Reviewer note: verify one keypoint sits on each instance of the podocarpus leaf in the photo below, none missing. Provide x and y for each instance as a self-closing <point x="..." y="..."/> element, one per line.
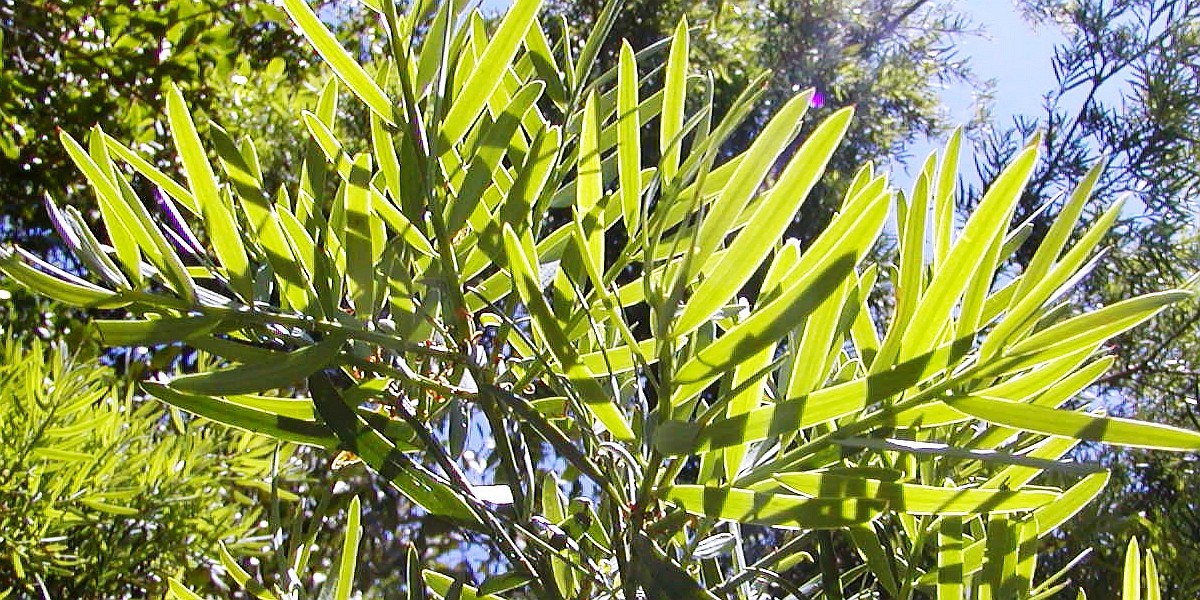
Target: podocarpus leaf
<point x="168" y="185"/>
<point x="950" y="572"/>
<point x="914" y="498"/>
<point x="285" y="370"/>
<point x="348" y="559"/>
<point x="488" y="71"/>
<point x="589" y="188"/>
<point x="629" y="148"/>
<point x="820" y="272"/>
<point x="361" y="250"/>
<point x="443" y="584"/>
<point x="595" y="397"/>
<point x="357" y="436"/>
<point x="967" y="261"/>
<point x="771" y="218"/>
<point x="783" y="511"/>
<point x="152" y="332"/>
<point x="744" y="181"/>
<point x="1048" y="518"/>
<point x="180" y="591"/>
<point x="1078" y="425"/>
<point x="242" y="577"/>
<point x="219" y="220"/>
<point x="674" y="91"/>
<point x="867" y="539"/>
<point x="1152" y="590"/>
<point x="116" y="217"/>
<point x="662" y="578"/>
<point x="1028" y="302"/>
<point x="288" y="429"/>
<point x="1083" y="331"/>
<point x="344" y="66"/>
<point x="1131" y="580"/>
<point x="54" y="282"/>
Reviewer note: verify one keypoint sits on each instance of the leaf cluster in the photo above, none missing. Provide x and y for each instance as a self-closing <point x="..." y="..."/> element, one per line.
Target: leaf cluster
<point x="451" y="273"/>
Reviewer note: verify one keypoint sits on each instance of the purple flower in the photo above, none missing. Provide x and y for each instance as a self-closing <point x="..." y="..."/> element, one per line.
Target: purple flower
<point x="818" y="99"/>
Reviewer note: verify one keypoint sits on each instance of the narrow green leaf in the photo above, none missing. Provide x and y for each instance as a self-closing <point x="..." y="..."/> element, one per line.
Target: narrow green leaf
<point x="660" y="577"/>
<point x="357" y="436"/>
<point x="1152" y="591"/>
<point x="180" y="591"/>
<point x="966" y="262"/>
<point x="517" y="208"/>
<point x="222" y="227"/>
<point x="867" y="540"/>
<point x="55" y="283"/>
<point x="121" y="225"/>
<point x="284" y="371"/>
<point x="433" y="49"/>
<point x="593" y="395"/>
<point x="348" y="560"/>
<point x="829" y="261"/>
<point x="488" y="72"/>
<point x="769" y="221"/>
<point x="776" y="510"/>
<point x="950" y="572"/>
<point x="943" y="205"/>
<point x="1000" y="558"/>
<point x="152" y="332"/>
<point x="916" y="499"/>
<point x="240" y="575"/>
<point x="1093" y="327"/>
<point x="1028" y="300"/>
<point x="361" y="252"/>
<point x="589" y="187"/>
<point x="1060" y="231"/>
<point x="441" y="584"/>
<point x="629" y="147"/>
<point x="1077" y="425"/>
<point x="271" y="424"/>
<point x="744" y="181"/>
<point x="674" y="94"/>
<point x="169" y="186"/>
<point x="344" y="66"/>
<point x="600" y="32"/>
<point x="413" y="575"/>
<point x="504" y="582"/>
<point x="1131" y="580"/>
<point x="78" y="235"/>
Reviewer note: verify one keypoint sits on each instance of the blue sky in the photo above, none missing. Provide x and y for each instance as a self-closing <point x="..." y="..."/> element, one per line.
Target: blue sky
<point x="1013" y="55"/>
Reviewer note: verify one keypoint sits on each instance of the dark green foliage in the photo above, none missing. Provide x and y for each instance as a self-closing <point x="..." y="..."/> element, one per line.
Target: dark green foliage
<point x="77" y="63"/>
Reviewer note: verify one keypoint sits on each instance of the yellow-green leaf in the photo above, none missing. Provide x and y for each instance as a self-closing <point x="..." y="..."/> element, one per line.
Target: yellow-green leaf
<point x="344" y="66"/>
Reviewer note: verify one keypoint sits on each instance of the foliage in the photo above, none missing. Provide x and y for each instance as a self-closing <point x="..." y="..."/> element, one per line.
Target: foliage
<point x="101" y="495"/>
<point x="75" y="63"/>
<point x="1125" y="91"/>
<point x="418" y="286"/>
<point x="889" y="59"/>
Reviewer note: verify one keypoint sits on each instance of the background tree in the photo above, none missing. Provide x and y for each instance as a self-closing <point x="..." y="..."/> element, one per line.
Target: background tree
<point x="1128" y="91"/>
<point x="102" y="496"/>
<point x="73" y="64"/>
